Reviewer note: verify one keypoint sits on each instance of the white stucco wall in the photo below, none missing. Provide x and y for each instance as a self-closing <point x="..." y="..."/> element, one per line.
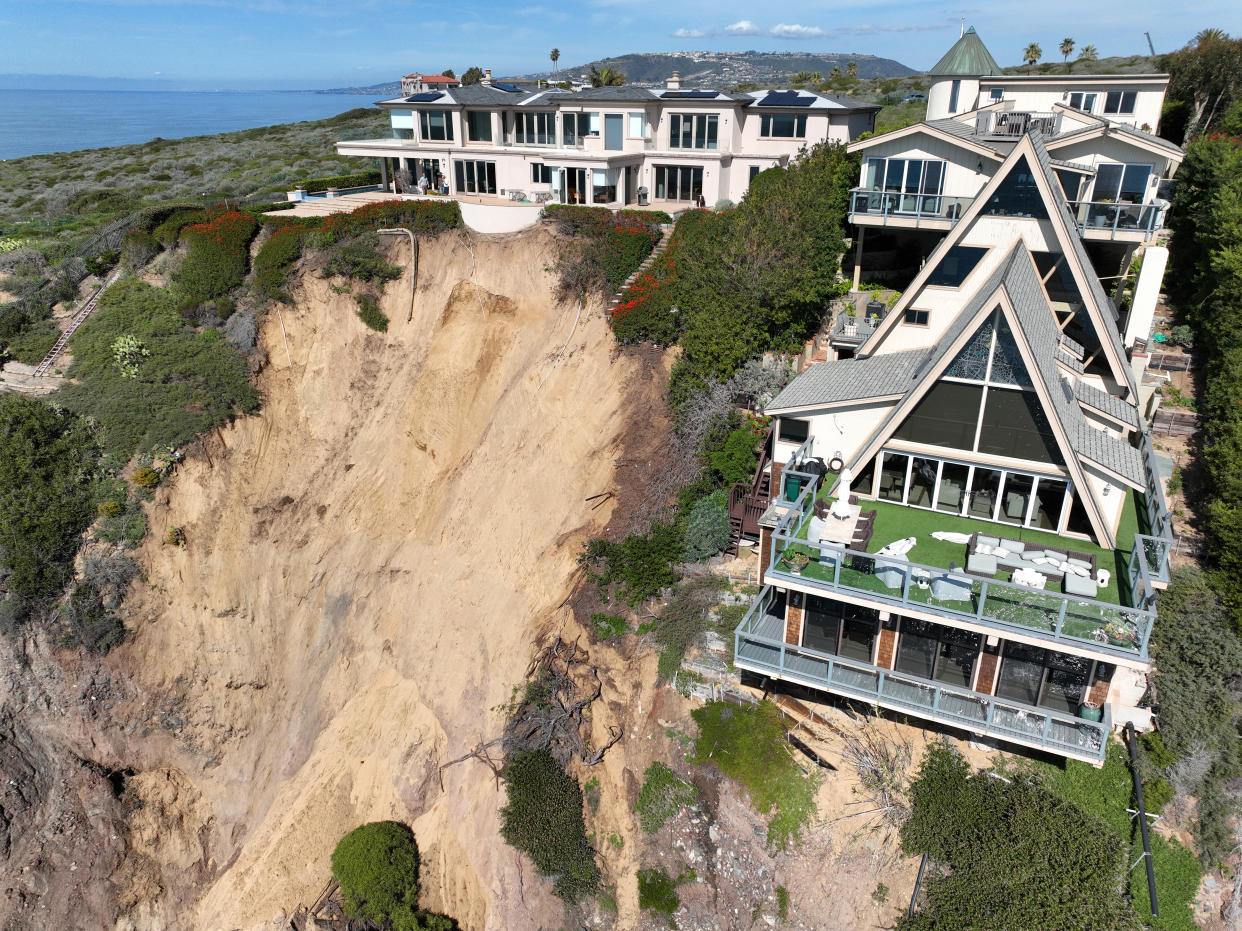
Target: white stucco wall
<point x="1040" y="95"/>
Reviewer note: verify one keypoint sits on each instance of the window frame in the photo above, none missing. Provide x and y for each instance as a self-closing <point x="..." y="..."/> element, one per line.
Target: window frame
<point x="694" y="131"/>
<point x="916" y="316"/>
<point x="425" y="125"/>
<point x="767" y="123"/>
<point x="965" y="278"/>
<point x="526" y="128"/>
<point x="1117" y="108"/>
<point x="1086" y="100"/>
<point x="466" y="175"/>
<point x="471" y="116"/>
<point x="540" y="173"/>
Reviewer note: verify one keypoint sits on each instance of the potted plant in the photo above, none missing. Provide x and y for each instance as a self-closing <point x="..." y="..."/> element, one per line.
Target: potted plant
<point x="1090" y="711"/>
<point x="1120" y="633"/>
<point x="797" y="562"/>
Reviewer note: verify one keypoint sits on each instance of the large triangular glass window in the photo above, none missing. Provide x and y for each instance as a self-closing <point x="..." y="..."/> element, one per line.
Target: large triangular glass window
<point x="1018" y="195"/>
<point x="985" y="402"/>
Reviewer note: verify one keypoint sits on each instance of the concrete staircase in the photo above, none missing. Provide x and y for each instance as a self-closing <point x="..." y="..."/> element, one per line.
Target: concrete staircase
<point x="666" y="234"/>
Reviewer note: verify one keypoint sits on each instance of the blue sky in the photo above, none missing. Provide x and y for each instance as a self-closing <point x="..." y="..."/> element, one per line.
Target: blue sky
<point x="323" y="43"/>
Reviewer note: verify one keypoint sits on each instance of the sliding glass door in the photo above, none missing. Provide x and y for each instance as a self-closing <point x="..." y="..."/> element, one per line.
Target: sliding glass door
<point x="1020" y="499"/>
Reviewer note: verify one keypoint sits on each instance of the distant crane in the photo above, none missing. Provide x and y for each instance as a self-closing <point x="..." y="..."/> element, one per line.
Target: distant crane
<point x="1150" y="47"/>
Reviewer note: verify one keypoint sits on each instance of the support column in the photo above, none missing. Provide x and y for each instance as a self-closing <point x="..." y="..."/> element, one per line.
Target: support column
<point x="989" y="663"/>
<point x="384" y="173"/>
<point x="765" y="551"/>
<point x="793" y="619"/>
<point x="886" y="649"/>
<point x="858" y="251"/>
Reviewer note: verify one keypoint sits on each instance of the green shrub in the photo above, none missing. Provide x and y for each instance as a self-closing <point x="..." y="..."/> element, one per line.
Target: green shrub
<point x="608" y="626"/>
<point x="357" y="179"/>
<point x="188" y="382"/>
<point x="103" y="263"/>
<point x="275" y="260"/>
<point x="1182" y="336"/>
<point x="421" y="217"/>
<point x="217" y="255"/>
<point x="707" y="529"/>
<point x="657" y="891"/>
<point x="88" y="623"/>
<point x="169" y="229"/>
<point x="370" y="314"/>
<point x="643" y="219"/>
<point x="377" y="867"/>
<point x="683" y="620"/>
<point x="34" y="342"/>
<point x="360" y="261"/>
<point x="138" y="248"/>
<point x="575" y="218"/>
<point x="146" y="477"/>
<point x="47" y="457"/>
<point x="662" y="796"/>
<point x="748" y="745"/>
<point x="543" y="819"/>
<point x="638" y="567"/>
<point x="1017" y="854"/>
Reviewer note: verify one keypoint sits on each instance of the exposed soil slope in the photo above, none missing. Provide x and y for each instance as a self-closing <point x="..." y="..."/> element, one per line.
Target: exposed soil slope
<point x="369" y="566"/>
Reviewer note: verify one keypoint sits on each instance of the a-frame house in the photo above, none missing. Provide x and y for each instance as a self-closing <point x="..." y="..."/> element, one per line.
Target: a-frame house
<point x="969" y="527"/>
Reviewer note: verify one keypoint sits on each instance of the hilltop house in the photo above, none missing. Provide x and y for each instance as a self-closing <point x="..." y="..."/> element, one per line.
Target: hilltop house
<point x="965" y="523"/>
<point x="417" y="83"/>
<point x="601" y="145"/>
<point x="918" y="182"/>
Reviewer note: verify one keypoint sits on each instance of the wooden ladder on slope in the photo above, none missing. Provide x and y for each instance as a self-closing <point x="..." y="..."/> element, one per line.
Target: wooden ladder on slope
<point x="78" y="319"/>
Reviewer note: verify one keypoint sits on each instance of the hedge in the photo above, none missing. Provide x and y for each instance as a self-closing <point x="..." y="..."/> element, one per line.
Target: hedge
<point x="276" y="258"/>
<point x="217" y="255"/>
<point x="358" y="179"/>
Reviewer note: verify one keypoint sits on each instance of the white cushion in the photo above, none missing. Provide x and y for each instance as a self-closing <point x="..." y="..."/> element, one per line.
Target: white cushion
<point x="1000" y="552"/>
<point x="983" y="549"/>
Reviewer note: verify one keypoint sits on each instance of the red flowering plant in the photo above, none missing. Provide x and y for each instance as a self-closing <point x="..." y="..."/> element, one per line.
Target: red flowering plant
<point x="216" y="254"/>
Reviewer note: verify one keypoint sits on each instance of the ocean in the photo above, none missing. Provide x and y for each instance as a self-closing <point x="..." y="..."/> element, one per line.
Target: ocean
<point x="38" y="122"/>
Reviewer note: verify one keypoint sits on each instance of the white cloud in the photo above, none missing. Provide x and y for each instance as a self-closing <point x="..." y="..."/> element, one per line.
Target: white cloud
<point x="795" y="31"/>
<point x="689" y="34"/>
<point x="743" y="27"/>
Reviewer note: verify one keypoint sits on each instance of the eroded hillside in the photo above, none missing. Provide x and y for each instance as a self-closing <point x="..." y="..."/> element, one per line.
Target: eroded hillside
<point x="369" y="566"/>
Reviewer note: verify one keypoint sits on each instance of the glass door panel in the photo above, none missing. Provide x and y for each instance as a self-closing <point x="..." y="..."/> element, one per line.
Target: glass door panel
<point x="1049" y="497"/>
<point x="1021" y="674"/>
<point x="821" y="624"/>
<point x="955" y="663"/>
<point x="893" y="477"/>
<point x="952" y="487"/>
<point x="1067" y="678"/>
<point x="916" y="649"/>
<point x="923" y="482"/>
<point x="983" y="492"/>
<point x="858" y="636"/>
<point x="1015" y="498"/>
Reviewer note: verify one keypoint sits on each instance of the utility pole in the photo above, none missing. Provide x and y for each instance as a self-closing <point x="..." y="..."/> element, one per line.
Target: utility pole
<point x="1151" y="48"/>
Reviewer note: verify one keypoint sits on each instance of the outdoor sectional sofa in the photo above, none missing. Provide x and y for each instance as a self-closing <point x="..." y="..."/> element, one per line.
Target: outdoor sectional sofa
<point x="1047" y="560"/>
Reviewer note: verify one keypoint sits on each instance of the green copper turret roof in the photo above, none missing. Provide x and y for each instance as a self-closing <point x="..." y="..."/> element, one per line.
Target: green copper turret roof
<point x="968" y="56"/>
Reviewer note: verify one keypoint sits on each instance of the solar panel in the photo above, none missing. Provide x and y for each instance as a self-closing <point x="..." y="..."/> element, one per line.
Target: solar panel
<point x="424" y="98"/>
<point x="688" y="95"/>
<point x="508" y="88"/>
<point x="786" y="99"/>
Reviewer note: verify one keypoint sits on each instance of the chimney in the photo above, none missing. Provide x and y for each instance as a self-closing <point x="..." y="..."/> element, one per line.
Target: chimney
<point x="673" y="83"/>
<point x="487" y="76"/>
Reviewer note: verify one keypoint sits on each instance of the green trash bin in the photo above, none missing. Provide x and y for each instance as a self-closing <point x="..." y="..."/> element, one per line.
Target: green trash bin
<point x="793" y="486"/>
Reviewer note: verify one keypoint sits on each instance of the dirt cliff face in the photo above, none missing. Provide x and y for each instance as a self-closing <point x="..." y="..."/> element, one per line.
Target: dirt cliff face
<point x="369" y="566"/>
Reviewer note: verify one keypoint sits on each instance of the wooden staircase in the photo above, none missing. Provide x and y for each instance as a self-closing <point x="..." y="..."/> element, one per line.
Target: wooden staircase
<point x="78" y="319"/>
<point x="748" y="501"/>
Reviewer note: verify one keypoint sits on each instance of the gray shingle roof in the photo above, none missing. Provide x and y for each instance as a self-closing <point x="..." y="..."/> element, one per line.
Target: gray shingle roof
<point x="1124" y="130"/>
<point x="1073" y="347"/>
<point x="1035" y="318"/>
<point x="1070" y="362"/>
<point x="1106" y="403"/>
<point x="853" y="380"/>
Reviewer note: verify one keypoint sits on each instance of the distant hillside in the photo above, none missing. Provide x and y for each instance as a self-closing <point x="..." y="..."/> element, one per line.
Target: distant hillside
<point x="1130" y="64"/>
<point x="722" y="69"/>
<point x="375" y="91"/>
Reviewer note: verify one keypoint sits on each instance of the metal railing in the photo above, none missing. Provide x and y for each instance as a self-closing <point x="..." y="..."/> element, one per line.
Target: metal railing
<point x="759" y="647"/>
<point x="872" y="202"/>
<point x="1061" y="619"/>
<point x="847" y="329"/>
<point x="1011" y="124"/>
<point x="1109" y="217"/>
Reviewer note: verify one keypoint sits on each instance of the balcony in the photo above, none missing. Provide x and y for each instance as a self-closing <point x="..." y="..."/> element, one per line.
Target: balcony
<point x="759" y="647"/>
<point x="1109" y="220"/>
<point x="1117" y="623"/>
<point x="852" y="331"/>
<point x="872" y="207"/>
<point x="1014" y="124"/>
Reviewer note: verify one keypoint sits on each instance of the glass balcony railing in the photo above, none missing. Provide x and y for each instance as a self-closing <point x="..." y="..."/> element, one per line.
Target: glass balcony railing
<point x="759" y="647"/>
<point x="1120" y="630"/>
<point x="1110" y="217"/>
<point x="867" y="202"/>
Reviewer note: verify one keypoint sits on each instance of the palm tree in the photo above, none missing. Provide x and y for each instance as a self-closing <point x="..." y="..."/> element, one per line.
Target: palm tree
<point x="555" y="55"/>
<point x="1088" y="53"/>
<point x="1067" y="49"/>
<point x="1211" y="34"/>
<point x="1032" y="53"/>
<point x="851" y="68"/>
<point x="606" y="77"/>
